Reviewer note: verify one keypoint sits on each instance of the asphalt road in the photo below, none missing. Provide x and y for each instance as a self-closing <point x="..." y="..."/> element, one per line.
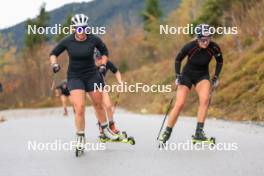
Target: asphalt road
<point x="242" y="154"/>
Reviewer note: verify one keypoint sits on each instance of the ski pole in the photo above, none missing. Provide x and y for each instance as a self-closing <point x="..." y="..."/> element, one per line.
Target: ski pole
<point x="210" y="97"/>
<point x="53" y="82"/>
<point x="165" y="116"/>
<point x="211" y="94"/>
<point x="116" y="102"/>
<point x="53" y="85"/>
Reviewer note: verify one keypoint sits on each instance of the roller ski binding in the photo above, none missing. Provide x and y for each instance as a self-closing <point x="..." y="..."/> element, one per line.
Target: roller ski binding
<point x="121" y="137"/>
<point x="79" y="149"/>
<point x="200" y="138"/>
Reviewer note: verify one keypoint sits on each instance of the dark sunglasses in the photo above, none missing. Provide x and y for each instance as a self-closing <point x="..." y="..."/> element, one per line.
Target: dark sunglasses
<point x="99" y="58"/>
<point x="204" y="40"/>
<point x="80" y="29"/>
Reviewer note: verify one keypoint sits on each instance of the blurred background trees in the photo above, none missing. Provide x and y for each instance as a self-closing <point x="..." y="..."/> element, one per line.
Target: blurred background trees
<point x="143" y="55"/>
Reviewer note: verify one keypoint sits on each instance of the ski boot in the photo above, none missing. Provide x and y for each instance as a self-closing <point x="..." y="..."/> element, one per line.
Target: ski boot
<point x="121" y="138"/>
<point x="107" y="133"/>
<point x="164" y="137"/>
<point x="79" y="150"/>
<point x="200" y="137"/>
<point x="112" y="126"/>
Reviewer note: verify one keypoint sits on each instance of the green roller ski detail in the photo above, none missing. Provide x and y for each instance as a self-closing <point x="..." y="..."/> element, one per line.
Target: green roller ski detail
<point x="121" y="139"/>
<point x="209" y="141"/>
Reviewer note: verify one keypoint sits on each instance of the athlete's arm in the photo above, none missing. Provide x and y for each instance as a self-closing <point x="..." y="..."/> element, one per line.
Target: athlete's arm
<point x="180" y="56"/>
<point x="102" y="49"/>
<point x="115" y="71"/>
<point x="219" y="60"/>
<point x="59" y="48"/>
<point x="104" y="59"/>
<point x="55" y="53"/>
<point x="118" y="77"/>
<point x="53" y="59"/>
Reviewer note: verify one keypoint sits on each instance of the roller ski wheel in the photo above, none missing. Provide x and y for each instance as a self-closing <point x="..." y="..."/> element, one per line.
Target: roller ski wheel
<point x="162" y="144"/>
<point x="128" y="140"/>
<point x="210" y="141"/>
<point x="79" y="148"/>
<point x="103" y="139"/>
<point x="131" y="140"/>
<point x="79" y="151"/>
<point x="122" y="135"/>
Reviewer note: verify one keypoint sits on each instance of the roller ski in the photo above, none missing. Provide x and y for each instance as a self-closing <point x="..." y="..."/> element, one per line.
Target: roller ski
<point x="164" y="137"/>
<point x="121" y="136"/>
<point x="80" y="145"/>
<point x="200" y="138"/>
<point x="127" y="140"/>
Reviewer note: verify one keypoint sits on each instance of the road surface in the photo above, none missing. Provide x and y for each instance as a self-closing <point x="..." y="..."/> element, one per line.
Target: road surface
<point x="245" y="157"/>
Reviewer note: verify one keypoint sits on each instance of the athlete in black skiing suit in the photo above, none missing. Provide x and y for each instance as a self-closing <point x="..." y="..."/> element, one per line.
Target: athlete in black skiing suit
<point x="82" y="74"/>
<point x="63" y="92"/>
<point x="195" y="73"/>
<point x="108" y="106"/>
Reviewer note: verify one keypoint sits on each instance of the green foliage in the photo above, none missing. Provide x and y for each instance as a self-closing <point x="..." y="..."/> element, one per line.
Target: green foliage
<point x="248" y="42"/>
<point x="66" y="23"/>
<point x="213" y="11"/>
<point x="151" y="13"/>
<point x="151" y="20"/>
<point x="33" y="40"/>
<point x="101" y="13"/>
<point x="123" y="66"/>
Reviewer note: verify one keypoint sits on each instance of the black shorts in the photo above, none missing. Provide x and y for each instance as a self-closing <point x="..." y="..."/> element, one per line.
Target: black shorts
<point x="65" y="94"/>
<point x="89" y="84"/>
<point x="65" y="91"/>
<point x="193" y="80"/>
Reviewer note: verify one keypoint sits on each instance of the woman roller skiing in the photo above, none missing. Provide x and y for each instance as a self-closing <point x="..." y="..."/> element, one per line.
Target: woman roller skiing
<point x="107" y="103"/>
<point x="82" y="74"/>
<point x="195" y="73"/>
<point x="109" y="108"/>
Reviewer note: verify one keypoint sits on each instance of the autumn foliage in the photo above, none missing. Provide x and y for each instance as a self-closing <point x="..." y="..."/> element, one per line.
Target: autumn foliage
<point x="143" y="55"/>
